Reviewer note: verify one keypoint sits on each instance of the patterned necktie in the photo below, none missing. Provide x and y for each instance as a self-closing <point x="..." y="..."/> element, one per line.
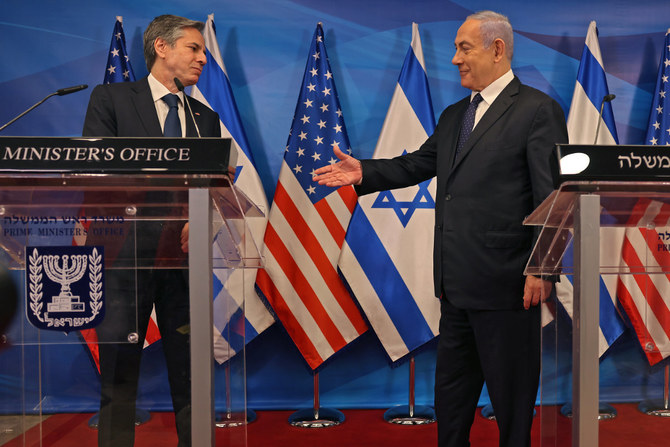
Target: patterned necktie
<point x="172" y="126"/>
<point x="468" y="122"/>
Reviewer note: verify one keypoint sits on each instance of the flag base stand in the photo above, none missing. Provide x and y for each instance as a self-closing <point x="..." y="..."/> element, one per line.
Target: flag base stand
<point x="141" y="416"/>
<point x="658" y="407"/>
<point x="410" y="414"/>
<point x="316" y="417"/>
<point x="605" y="411"/>
<point x="655" y="407"/>
<point x="234" y="419"/>
<point x="406" y="415"/>
<point x="487" y="412"/>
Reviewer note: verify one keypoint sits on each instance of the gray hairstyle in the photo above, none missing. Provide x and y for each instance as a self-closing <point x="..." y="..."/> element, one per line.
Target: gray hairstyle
<point x="495" y="26"/>
<point x="169" y="28"/>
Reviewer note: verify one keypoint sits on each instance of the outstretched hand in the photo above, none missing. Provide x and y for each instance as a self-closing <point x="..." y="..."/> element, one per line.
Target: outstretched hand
<point x="345" y="172"/>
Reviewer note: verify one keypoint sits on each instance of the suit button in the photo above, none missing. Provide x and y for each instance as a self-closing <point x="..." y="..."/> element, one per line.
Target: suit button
<point x="447" y="197"/>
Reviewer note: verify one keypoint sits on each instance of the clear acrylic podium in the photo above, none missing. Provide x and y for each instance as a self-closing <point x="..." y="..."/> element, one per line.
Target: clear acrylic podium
<point x="584" y="227"/>
<point x="136" y="219"/>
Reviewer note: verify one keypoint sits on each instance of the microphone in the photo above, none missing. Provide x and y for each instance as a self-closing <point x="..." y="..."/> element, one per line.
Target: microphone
<point x="61" y="92"/>
<point x="180" y="87"/>
<point x="68" y="90"/>
<point x="606" y="98"/>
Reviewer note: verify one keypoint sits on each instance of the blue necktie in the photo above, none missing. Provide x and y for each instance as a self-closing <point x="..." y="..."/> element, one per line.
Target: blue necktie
<point x="172" y="126"/>
<point x="468" y="122"/>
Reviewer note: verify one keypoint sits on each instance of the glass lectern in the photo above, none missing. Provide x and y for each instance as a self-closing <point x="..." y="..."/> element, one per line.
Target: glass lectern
<point x="617" y="231"/>
<point x="83" y="242"/>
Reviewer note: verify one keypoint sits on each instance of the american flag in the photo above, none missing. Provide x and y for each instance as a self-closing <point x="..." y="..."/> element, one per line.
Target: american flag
<point x="308" y="223"/>
<point x="118" y="69"/>
<point x="646" y="297"/>
<point x="118" y="64"/>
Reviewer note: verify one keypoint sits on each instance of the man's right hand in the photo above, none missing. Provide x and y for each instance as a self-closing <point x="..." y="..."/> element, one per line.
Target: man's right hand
<point x="345" y="172"/>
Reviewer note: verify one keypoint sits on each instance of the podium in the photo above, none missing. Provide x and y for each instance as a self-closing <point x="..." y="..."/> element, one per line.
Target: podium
<point x="614" y="200"/>
<point x="92" y="229"/>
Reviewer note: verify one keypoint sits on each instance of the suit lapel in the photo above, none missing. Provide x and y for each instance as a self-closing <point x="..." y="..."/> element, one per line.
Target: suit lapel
<point x="503" y="102"/>
<point x="145" y="108"/>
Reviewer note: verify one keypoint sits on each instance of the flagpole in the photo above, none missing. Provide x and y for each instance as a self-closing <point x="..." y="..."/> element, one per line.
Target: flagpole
<point x="410" y="414"/>
<point x="229" y="418"/>
<point x="659" y="407"/>
<point x="316" y="417"/>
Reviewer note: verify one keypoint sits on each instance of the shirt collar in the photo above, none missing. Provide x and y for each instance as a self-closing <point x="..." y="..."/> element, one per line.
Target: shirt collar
<point x="491" y="92"/>
<point x="158" y="90"/>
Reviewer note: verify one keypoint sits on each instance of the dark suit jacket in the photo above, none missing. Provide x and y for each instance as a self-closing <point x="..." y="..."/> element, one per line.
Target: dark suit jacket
<point x="500" y="176"/>
<point x="126" y="109"/>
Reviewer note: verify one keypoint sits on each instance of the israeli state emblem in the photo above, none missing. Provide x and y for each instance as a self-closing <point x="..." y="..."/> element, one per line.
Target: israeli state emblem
<point x="64" y="290"/>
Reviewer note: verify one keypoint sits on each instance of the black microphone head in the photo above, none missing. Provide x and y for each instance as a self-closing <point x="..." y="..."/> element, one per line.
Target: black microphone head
<point x="179" y="85"/>
<point x="608" y="98"/>
<point x="68" y="90"/>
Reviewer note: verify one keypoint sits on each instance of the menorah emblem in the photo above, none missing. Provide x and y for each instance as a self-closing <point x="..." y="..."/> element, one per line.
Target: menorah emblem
<point x="73" y="276"/>
<point x="71" y="270"/>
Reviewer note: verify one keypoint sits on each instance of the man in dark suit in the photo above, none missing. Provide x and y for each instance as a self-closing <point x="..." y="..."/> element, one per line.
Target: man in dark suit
<point x="487" y="182"/>
<point x="150" y="107"/>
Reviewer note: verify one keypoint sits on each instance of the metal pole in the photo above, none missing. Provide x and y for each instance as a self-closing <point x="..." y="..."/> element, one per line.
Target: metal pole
<point x="316" y="396"/>
<point x="201" y="311"/>
<point x="659" y="407"/>
<point x="316" y="417"/>
<point x="411" y="387"/>
<point x="585" y="372"/>
<point x="410" y="414"/>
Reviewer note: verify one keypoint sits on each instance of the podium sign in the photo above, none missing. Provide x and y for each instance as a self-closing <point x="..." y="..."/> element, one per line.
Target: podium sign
<point x="87" y="226"/>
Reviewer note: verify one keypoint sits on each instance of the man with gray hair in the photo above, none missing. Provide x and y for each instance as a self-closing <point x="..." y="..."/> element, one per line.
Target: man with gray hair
<point x="151" y="107"/>
<point x="490" y="153"/>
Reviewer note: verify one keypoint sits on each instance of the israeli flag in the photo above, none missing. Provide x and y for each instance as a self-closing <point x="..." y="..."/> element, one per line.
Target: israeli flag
<point x="590" y="89"/>
<point x="239" y="314"/>
<point x="387" y="255"/>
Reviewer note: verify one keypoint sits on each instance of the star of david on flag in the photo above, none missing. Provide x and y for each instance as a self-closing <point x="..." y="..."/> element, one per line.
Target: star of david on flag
<point x="308" y="223"/>
<point x="404" y="209"/>
<point x="387" y="257"/>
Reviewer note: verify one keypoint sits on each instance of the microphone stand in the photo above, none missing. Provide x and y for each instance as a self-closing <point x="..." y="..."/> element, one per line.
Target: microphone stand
<point x="61" y="92"/>
<point x="606" y="98"/>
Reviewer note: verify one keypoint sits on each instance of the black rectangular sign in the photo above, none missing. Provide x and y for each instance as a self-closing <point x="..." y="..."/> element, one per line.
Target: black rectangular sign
<point x="115" y="155"/>
<point x="574" y="162"/>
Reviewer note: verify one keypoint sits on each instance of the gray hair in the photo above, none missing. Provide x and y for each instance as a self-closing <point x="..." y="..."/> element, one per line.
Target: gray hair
<point x="495" y="26"/>
<point x="169" y="28"/>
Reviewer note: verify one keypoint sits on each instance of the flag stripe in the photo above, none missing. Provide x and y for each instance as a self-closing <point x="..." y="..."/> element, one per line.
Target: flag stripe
<point x="387" y="282"/>
<point x="224" y="103"/>
<point x="641" y="299"/>
<point x="305" y="237"/>
<point x="292" y="325"/>
<point x="653" y="355"/>
<point x="330" y="219"/>
<point x="414" y="84"/>
<point x="593" y="79"/>
<point x="299" y="282"/>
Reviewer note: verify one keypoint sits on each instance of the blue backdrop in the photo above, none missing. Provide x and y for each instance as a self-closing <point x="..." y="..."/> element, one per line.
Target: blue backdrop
<point x="49" y="45"/>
